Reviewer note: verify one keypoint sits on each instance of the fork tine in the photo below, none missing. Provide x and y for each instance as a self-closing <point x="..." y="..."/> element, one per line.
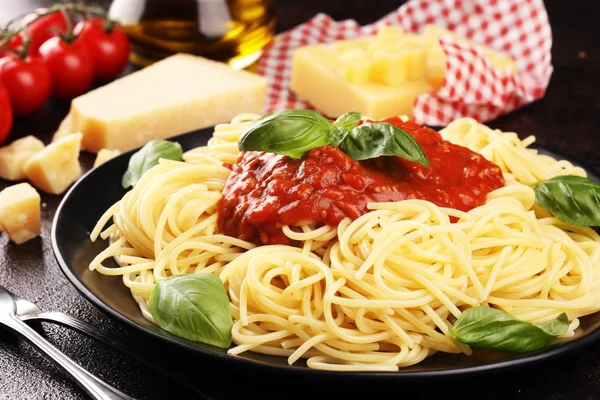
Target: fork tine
<point x="24" y="307"/>
<point x="7" y="301"/>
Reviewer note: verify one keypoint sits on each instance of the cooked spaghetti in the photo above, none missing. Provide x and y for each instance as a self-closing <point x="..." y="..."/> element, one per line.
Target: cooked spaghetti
<point x="377" y="292"/>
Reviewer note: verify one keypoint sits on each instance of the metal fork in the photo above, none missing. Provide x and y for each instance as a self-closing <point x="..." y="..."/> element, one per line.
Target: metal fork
<point x="28" y="311"/>
<point x="94" y="386"/>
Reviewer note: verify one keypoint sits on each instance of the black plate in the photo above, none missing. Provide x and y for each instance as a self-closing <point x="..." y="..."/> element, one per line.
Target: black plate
<point x="101" y="187"/>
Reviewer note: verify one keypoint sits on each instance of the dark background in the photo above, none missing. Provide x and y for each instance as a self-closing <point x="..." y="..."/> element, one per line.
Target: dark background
<point x="566" y="121"/>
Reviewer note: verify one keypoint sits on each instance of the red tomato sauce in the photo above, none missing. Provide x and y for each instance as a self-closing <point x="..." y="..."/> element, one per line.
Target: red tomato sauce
<point x="266" y="191"/>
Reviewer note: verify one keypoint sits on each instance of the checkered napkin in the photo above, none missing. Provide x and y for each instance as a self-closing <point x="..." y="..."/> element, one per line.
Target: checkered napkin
<point x="472" y="87"/>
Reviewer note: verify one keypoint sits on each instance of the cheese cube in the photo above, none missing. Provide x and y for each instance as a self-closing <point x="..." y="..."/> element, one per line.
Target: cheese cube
<point x="390" y="68"/>
<point x="56" y="167"/>
<point x="377" y="46"/>
<point x="356" y="67"/>
<point x="178" y="94"/>
<point x="416" y="62"/>
<point x="387" y="31"/>
<point x="350" y="44"/>
<point x="436" y="65"/>
<point x="14" y="156"/>
<point x="397" y="63"/>
<point x="104" y="155"/>
<point x="20" y="212"/>
<point x="387" y="38"/>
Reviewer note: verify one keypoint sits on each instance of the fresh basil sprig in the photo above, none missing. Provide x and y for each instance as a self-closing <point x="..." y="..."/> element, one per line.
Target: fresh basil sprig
<point x="294" y="132"/>
<point x="572" y="199"/>
<point x="490" y="328"/>
<point x="194" y="307"/>
<point x="147" y="157"/>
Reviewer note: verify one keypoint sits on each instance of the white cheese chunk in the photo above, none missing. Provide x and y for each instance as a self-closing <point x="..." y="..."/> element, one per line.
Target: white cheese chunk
<point x="14" y="156"/>
<point x="104" y="155"/>
<point x="20" y="212"/>
<point x="56" y="167"/>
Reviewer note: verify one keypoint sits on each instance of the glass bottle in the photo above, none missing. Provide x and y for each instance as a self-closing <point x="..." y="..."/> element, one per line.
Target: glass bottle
<point x="232" y="31"/>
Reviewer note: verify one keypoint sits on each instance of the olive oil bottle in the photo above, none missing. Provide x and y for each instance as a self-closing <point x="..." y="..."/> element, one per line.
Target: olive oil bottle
<point x="232" y="31"/>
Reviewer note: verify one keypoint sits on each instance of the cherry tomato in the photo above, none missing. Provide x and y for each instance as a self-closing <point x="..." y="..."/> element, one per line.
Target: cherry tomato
<point x="48" y="26"/>
<point x="14" y="43"/>
<point x="71" y="66"/>
<point x="110" y="48"/>
<point x="28" y="82"/>
<point x="6" y="115"/>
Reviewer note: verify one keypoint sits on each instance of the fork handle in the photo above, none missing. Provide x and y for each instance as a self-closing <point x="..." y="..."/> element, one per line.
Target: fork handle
<point x="85" y="328"/>
<point x="94" y="386"/>
<point x="97" y="333"/>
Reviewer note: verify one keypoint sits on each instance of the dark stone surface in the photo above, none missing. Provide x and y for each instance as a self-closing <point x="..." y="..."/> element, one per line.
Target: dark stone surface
<point x="565" y="121"/>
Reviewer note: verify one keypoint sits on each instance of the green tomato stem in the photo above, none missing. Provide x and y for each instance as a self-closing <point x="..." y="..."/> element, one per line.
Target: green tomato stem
<point x="68" y="36"/>
<point x="25" y="51"/>
<point x="108" y="25"/>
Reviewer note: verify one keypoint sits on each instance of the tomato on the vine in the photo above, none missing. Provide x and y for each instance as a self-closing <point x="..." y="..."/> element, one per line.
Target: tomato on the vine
<point x="108" y="44"/>
<point x="14" y="43"/>
<point x="71" y="66"/>
<point x="6" y="116"/>
<point x="44" y="28"/>
<point x="28" y="82"/>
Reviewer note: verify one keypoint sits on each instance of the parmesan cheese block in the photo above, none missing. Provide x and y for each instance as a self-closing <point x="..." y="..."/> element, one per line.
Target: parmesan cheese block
<point x="104" y="155"/>
<point x="14" y="156"/>
<point x="20" y="212"/>
<point x="56" y="167"/>
<point x="178" y="94"/>
<point x="379" y="75"/>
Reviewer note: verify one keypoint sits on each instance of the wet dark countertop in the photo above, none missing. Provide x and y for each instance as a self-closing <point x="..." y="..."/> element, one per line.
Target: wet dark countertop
<point x="565" y="121"/>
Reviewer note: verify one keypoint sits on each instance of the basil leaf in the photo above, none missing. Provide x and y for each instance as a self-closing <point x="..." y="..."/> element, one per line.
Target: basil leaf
<point x="342" y="126"/>
<point x="376" y="139"/>
<point x="289" y="132"/>
<point x="147" y="157"/>
<point x="572" y="199"/>
<point x="555" y="327"/>
<point x="489" y="328"/>
<point x="194" y="307"/>
<point x="348" y="121"/>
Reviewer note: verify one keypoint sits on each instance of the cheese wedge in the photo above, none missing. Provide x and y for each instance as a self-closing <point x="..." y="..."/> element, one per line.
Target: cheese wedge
<point x="176" y="95"/>
<point x="20" y="212"/>
<point x="14" y="156"/>
<point x="56" y="167"/>
<point x="379" y="75"/>
<point x="104" y="155"/>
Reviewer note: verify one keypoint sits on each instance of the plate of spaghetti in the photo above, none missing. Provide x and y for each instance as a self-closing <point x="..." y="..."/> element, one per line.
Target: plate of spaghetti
<point x="381" y="248"/>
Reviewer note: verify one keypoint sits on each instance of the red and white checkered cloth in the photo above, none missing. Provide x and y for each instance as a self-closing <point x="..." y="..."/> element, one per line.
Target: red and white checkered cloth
<point x="472" y="87"/>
